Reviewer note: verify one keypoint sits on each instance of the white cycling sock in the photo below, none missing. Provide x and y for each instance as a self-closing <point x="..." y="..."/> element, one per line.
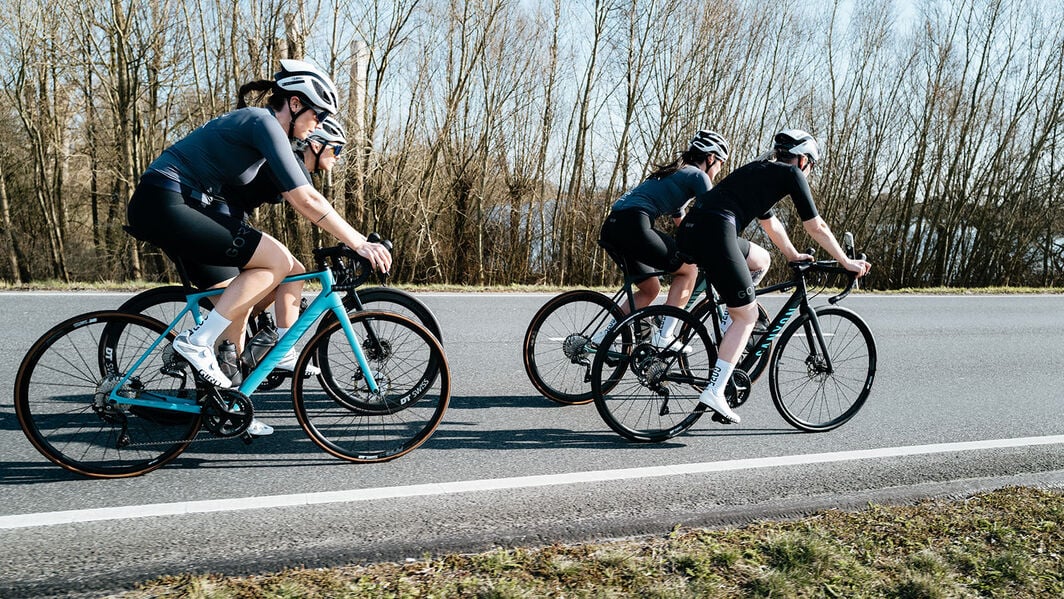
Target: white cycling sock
<point x="213" y="325"/>
<point x="726" y="321"/>
<point x="668" y="326"/>
<point x="281" y="331"/>
<point x="718" y="377"/>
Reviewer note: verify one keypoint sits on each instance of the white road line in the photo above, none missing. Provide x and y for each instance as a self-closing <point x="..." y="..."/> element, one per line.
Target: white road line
<point x="520" y="482"/>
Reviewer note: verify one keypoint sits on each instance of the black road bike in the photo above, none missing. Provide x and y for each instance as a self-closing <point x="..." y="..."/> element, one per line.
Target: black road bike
<point x="821" y="363"/>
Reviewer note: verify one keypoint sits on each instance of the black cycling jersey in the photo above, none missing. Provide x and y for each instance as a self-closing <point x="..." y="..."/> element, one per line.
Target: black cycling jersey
<point x="709" y="233"/>
<point x="751" y="191"/>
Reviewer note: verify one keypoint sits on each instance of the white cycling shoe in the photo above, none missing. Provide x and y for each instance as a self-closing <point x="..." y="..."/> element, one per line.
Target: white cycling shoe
<point x="718" y="404"/>
<point x="258" y="428"/>
<point x="288" y="364"/>
<point x="661" y="342"/>
<point x="202" y="358"/>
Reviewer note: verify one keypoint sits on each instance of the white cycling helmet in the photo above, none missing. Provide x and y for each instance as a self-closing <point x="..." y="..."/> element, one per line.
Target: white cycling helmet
<point x="309" y="82"/>
<point x="710" y="142"/>
<point x="330" y="131"/>
<point x="797" y="143"/>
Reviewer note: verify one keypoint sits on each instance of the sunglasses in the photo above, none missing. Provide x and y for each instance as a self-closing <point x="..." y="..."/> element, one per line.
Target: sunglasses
<point x="319" y="115"/>
<point x="336" y="149"/>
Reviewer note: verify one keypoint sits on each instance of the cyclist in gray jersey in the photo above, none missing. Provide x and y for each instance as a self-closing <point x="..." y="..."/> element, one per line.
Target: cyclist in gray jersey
<point x="318" y="153"/>
<point x="174" y="205"/>
<point x="629" y="229"/>
<point x="709" y="236"/>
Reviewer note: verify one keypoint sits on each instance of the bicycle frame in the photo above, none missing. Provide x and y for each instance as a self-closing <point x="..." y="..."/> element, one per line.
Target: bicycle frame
<point x="797" y="302"/>
<point x="326" y="301"/>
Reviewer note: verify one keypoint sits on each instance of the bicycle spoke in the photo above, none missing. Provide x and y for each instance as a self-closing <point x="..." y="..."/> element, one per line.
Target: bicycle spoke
<point x="62" y="406"/>
<point x="652" y="394"/>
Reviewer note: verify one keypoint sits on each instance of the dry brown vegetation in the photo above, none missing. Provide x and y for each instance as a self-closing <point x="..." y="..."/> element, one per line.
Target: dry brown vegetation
<point x="494" y="134"/>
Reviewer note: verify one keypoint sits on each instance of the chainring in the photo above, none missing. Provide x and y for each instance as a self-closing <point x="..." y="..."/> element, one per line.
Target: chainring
<point x="228" y="413"/>
<point x="737" y="391"/>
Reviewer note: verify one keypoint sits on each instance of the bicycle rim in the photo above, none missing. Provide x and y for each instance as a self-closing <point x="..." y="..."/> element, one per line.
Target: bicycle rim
<point x="557" y="351"/>
<point x="653" y="396"/>
<point x="806" y="394"/>
<point x="344" y="418"/>
<point x="61" y="384"/>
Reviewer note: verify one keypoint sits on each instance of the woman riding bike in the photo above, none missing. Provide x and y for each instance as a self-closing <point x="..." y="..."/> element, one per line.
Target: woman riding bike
<point x="176" y="206"/>
<point x="710" y="235"/>
<point x="629" y="229"/>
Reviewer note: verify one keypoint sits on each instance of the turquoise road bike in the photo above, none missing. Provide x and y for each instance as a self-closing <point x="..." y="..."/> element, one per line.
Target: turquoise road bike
<point x="104" y="395"/>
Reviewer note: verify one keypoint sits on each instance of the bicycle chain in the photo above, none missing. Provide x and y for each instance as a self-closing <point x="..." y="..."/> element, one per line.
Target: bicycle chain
<point x="199" y="438"/>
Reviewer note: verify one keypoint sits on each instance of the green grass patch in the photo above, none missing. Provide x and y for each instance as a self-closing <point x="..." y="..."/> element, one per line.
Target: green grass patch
<point x="1007" y="543"/>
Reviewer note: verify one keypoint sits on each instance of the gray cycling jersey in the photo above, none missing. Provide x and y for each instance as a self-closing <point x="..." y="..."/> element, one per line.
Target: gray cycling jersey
<point x="263" y="189"/>
<point x="666" y="195"/>
<point x="228" y="151"/>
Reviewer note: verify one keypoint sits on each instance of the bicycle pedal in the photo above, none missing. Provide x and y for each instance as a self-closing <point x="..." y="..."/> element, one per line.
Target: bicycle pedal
<point x="247" y="438"/>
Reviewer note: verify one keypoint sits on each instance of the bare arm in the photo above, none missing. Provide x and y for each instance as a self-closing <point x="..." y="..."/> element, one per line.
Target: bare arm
<point x="777" y="234"/>
<point x="313" y="206"/>
<point x="821" y="233"/>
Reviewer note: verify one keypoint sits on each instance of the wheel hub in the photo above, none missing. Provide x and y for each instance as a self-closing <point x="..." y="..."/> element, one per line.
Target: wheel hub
<point x="574" y="347"/>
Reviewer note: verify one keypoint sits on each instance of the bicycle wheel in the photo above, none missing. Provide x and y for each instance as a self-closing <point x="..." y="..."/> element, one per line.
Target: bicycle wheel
<point x="754" y="358"/>
<point x="397" y="301"/>
<point x="808" y="394"/>
<point x="343" y="417"/>
<point x="653" y="395"/>
<point x="61" y="397"/>
<point x="557" y="351"/>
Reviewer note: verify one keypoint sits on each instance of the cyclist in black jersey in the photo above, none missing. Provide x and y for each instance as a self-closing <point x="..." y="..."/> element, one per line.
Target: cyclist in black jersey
<point x="177" y="205"/>
<point x="629" y="229"/>
<point x="709" y="234"/>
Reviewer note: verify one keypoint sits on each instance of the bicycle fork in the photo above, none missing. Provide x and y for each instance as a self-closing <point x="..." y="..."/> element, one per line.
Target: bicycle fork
<point x="819" y="360"/>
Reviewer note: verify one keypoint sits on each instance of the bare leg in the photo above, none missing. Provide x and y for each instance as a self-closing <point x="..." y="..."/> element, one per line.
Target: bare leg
<point x="287" y="298"/>
<point x="267" y="267"/>
<point x="646" y="292"/>
<point x="758" y="261"/>
<point x="683" y="281"/>
<point x="734" y="341"/>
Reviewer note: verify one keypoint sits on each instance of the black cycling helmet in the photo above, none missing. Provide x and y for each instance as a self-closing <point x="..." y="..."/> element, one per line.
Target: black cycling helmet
<point x="797" y="143"/>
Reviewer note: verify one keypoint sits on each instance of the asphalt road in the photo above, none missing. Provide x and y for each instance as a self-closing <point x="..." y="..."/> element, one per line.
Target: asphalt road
<point x="967" y="397"/>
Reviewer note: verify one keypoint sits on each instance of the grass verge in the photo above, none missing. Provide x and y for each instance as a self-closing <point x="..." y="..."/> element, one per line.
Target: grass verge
<point x="1006" y="543"/>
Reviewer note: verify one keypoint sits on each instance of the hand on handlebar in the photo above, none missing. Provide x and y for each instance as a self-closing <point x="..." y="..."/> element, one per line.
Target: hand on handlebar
<point x="861" y="267"/>
<point x="378" y="255"/>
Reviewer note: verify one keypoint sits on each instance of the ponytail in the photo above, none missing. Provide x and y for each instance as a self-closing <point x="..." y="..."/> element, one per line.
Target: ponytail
<point x="261" y="88"/>
<point x="691" y="156"/>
